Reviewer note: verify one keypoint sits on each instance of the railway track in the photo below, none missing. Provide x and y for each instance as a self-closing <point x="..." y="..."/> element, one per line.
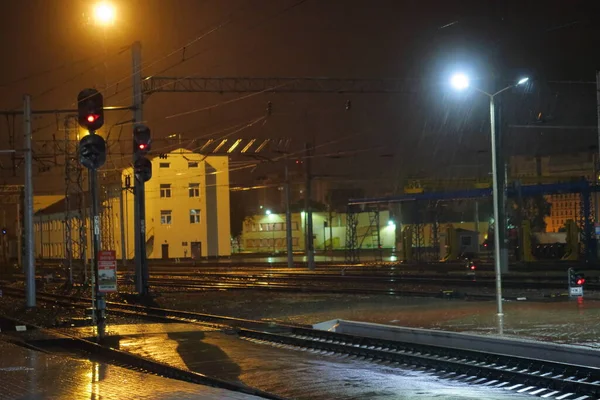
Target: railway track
<point x="546" y="379"/>
<point x="375" y="280"/>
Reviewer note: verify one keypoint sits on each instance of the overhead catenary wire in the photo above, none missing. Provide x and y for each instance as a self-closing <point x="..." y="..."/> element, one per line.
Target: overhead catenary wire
<point x="247" y="29"/>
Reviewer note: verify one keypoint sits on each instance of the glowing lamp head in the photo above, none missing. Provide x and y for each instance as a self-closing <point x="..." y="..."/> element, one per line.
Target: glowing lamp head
<point x="104" y="13"/>
<point x="460" y="81"/>
<point x="142" y="146"/>
<point x="91" y="118"/>
<point x="580" y="281"/>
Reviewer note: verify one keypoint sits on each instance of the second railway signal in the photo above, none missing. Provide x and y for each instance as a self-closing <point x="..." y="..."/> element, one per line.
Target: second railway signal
<point x="92" y="151"/>
<point x="143" y="169"/>
<point x="90" y="109"/>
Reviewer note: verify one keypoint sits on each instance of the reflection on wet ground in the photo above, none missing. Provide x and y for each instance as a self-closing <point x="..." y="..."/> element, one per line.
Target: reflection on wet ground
<point x="27" y="374"/>
<point x="290" y="373"/>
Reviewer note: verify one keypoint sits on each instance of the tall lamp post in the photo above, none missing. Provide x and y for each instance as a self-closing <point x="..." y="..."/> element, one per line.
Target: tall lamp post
<point x="461" y="82"/>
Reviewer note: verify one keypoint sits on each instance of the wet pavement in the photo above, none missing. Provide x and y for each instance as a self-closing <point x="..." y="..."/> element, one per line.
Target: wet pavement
<point x="289" y="373"/>
<point x="27" y="374"/>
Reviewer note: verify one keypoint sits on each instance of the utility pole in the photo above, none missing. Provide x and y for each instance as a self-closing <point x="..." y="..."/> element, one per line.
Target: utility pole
<point x="310" y="246"/>
<point x="139" y="210"/>
<point x="122" y="226"/>
<point x="501" y="181"/>
<point x="288" y="218"/>
<point x="29" y="244"/>
<point x="477" y="224"/>
<point x="99" y="296"/>
<point x="597" y="166"/>
<point x="20" y="232"/>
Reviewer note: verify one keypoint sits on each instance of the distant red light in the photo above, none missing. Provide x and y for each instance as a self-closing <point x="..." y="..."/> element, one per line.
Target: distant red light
<point x="142" y="146"/>
<point x="91" y="118"/>
<point x="473" y="267"/>
<point x="580" y="281"/>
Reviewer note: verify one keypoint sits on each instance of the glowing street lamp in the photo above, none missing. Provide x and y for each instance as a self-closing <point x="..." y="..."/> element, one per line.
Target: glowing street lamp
<point x="461" y="82"/>
<point x="104" y="14"/>
<point x="268" y="212"/>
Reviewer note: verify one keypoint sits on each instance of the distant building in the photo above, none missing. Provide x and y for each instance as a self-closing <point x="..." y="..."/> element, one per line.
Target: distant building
<point x="564" y="206"/>
<point x="266" y="233"/>
<point x="187" y="212"/>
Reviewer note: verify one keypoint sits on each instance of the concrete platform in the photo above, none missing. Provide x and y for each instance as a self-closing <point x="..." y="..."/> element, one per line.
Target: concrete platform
<point x="29" y="374"/>
<point x="517" y="347"/>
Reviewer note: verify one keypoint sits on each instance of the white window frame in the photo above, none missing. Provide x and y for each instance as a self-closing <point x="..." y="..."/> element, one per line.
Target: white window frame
<point x="195" y="214"/>
<point x="165" y="190"/>
<point x="194" y="190"/>
<point x="166" y="217"/>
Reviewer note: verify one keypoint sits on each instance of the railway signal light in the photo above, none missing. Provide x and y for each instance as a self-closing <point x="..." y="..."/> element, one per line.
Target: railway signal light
<point x="92" y="151"/>
<point x="142" y="140"/>
<point x="90" y="109"/>
<point x="576" y="278"/>
<point x="143" y="169"/>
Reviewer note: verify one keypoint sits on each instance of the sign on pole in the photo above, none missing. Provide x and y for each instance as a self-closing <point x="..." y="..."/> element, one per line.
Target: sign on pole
<point x="107" y="271"/>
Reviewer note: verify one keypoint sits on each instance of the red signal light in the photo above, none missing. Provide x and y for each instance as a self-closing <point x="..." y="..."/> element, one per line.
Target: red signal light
<point x="580" y="281"/>
<point x="142" y="146"/>
<point x="91" y="118"/>
<point x="473" y="268"/>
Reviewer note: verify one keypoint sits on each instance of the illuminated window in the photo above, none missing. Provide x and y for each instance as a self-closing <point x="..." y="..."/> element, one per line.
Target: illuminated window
<point x="194" y="216"/>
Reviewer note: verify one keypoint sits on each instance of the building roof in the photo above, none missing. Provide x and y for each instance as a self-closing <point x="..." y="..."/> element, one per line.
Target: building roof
<point x="60" y="206"/>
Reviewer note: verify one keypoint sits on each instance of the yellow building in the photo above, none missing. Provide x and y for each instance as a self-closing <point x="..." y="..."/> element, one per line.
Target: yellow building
<point x="187" y="212"/>
<point x="564" y="206"/>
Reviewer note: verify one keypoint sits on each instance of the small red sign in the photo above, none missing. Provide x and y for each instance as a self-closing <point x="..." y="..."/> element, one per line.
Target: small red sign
<point x="107" y="271"/>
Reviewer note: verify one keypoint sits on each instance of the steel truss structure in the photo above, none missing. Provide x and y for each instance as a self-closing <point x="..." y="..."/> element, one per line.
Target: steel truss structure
<point x="583" y="187"/>
<point x="154" y="84"/>
<point x="75" y="206"/>
<point x="354" y="241"/>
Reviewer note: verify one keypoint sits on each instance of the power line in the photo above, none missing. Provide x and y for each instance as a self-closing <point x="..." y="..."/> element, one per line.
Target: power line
<point x="277" y="14"/>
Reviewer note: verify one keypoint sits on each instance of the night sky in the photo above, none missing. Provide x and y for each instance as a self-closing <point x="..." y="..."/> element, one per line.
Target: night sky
<point x="51" y="51"/>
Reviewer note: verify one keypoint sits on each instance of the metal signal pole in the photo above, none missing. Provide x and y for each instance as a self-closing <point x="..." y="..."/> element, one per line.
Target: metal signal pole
<point x="139" y="211"/>
<point x="98" y="296"/>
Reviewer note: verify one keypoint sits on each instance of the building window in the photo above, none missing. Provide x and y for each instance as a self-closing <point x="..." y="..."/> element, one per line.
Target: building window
<point x="164" y="165"/>
<point x="165" y="190"/>
<point x="192" y="164"/>
<point x="194" y="189"/>
<point x="165" y="217"/>
<point x="194" y="216"/>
